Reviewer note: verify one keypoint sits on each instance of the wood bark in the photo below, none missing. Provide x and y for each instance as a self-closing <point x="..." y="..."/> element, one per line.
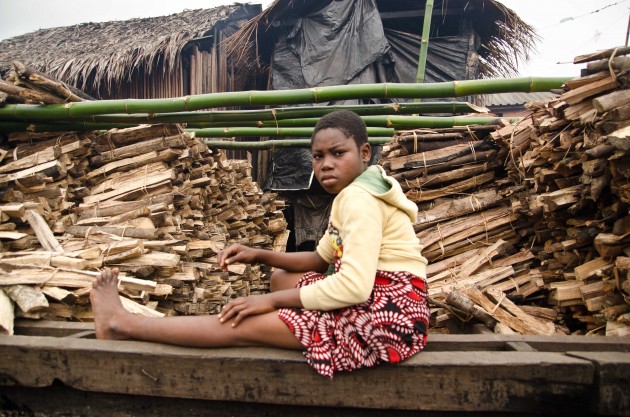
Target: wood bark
<point x="55" y="86"/>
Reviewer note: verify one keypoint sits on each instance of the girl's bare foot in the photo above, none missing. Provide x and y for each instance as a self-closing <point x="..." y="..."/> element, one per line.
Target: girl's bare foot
<point x="108" y="310"/>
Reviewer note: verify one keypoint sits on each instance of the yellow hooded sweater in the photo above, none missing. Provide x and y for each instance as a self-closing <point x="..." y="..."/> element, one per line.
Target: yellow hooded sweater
<point x="370" y="229"/>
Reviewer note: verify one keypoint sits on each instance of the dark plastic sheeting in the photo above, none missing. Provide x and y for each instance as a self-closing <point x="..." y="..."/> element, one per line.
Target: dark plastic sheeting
<point x="344" y="42"/>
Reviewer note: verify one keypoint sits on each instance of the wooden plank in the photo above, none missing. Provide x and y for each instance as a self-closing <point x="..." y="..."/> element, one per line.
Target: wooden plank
<point x="613" y="370"/>
<point x="481" y="381"/>
<point x="438" y="342"/>
<point x="589" y="90"/>
<point x="50" y="328"/>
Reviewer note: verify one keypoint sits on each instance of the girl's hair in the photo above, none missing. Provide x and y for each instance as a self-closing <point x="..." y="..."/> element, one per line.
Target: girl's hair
<point x="348" y="122"/>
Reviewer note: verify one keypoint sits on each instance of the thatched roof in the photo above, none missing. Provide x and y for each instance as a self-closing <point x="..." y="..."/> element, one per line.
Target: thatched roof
<point x="506" y="40"/>
<point x="111" y="51"/>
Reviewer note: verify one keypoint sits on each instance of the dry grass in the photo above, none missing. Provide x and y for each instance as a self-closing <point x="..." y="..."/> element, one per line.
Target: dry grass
<point x="104" y="52"/>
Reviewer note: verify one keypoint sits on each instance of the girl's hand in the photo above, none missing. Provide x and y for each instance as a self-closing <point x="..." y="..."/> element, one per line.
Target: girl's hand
<point x="236" y="253"/>
<point x="246" y="306"/>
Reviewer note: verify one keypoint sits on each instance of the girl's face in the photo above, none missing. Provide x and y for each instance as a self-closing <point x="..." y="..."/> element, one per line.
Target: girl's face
<point x="337" y="160"/>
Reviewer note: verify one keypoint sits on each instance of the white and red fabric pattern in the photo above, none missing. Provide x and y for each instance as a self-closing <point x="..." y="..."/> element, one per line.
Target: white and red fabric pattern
<point x="391" y="326"/>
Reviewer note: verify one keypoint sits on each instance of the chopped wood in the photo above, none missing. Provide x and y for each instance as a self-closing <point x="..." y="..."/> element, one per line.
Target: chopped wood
<point x="612" y="100"/>
<point x="470" y="225"/>
<point x="449" y="263"/>
<point x="598" y="266"/>
<point x="52" y="169"/>
<point x="43" y="258"/>
<point x="56" y="87"/>
<point x="137" y="308"/>
<point x="6" y="313"/>
<point x="439" y="156"/>
<point x="48" y="276"/>
<point x="133" y="232"/>
<point x="456" y="188"/>
<point x="462" y="302"/>
<point x="44" y="234"/>
<point x="121" y="137"/>
<point x="485" y="256"/>
<point x="581" y="93"/>
<point x="47" y="155"/>
<point x="60" y="294"/>
<point x="446" y="177"/>
<point x="28" y="298"/>
<point x="151" y="145"/>
<point x="565" y="190"/>
<point x="155" y="259"/>
<point x="28" y="95"/>
<point x="495" y="308"/>
<point x="457" y="207"/>
<point x="534" y="325"/>
<point x="580" y="59"/>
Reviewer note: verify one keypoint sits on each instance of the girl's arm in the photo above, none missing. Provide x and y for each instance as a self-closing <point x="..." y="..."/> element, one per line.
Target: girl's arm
<point x="240" y="308"/>
<point x="289" y="261"/>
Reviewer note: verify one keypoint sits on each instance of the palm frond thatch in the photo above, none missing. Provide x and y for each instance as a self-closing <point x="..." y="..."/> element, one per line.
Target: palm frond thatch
<point x="505" y="44"/>
<point x="112" y="51"/>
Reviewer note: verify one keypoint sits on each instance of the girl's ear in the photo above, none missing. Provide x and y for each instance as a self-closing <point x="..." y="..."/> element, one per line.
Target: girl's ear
<point x="366" y="152"/>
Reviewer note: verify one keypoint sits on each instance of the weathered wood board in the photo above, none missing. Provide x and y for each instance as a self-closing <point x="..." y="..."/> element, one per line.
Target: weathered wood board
<point x="484" y="373"/>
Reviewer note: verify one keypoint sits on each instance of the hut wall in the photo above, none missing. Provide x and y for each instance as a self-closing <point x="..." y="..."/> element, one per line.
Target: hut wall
<point x="143" y="84"/>
<point x="202" y="69"/>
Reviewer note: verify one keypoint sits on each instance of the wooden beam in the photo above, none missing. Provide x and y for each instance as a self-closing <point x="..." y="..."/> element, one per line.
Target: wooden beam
<point x="613" y="370"/>
<point x="511" y="379"/>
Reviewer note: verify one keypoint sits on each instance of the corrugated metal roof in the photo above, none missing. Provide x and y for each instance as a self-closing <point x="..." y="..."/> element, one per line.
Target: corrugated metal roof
<point x="512" y="99"/>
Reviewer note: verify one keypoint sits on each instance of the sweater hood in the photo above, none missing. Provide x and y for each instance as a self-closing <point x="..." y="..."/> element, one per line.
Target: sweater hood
<point x="375" y="181"/>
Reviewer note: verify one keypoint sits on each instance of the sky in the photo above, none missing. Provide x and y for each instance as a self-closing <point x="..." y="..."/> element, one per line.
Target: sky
<point x="568" y="28"/>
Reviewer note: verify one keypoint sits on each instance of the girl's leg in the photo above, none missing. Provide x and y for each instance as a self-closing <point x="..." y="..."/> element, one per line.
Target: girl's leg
<point x="112" y="321"/>
<point x="283" y="280"/>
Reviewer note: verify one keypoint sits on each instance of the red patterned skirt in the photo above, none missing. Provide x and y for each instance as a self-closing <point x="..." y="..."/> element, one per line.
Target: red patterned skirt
<point x="391" y="326"/>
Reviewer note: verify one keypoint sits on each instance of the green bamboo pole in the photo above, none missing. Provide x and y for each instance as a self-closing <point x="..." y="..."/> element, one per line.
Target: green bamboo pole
<point x="297" y="127"/>
<point x="58" y="126"/>
<point x="270" y="131"/>
<point x="397" y="122"/>
<point x="424" y="42"/>
<point x="307" y="95"/>
<point x="39" y="113"/>
<point x="273" y="144"/>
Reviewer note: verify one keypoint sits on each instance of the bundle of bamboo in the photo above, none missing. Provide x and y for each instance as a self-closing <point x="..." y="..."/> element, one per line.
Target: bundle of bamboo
<point x="150" y="200"/>
<point x="107" y="114"/>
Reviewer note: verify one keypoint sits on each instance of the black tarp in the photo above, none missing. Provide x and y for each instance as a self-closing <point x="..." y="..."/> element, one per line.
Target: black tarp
<point x="334" y="44"/>
<point x="344" y="42"/>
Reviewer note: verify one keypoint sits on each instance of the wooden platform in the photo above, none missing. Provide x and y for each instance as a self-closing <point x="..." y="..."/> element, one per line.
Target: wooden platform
<point x="459" y="374"/>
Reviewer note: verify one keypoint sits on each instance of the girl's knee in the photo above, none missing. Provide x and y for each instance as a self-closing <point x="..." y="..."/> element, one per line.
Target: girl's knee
<point x="276" y="280"/>
<point x="283" y="280"/>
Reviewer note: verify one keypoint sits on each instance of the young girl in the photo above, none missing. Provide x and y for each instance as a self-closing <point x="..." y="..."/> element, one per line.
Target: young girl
<point x="364" y="300"/>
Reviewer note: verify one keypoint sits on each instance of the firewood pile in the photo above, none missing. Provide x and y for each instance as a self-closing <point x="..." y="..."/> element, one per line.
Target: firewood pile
<point x="25" y="85"/>
<point x="153" y="201"/>
<point x="526" y="225"/>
